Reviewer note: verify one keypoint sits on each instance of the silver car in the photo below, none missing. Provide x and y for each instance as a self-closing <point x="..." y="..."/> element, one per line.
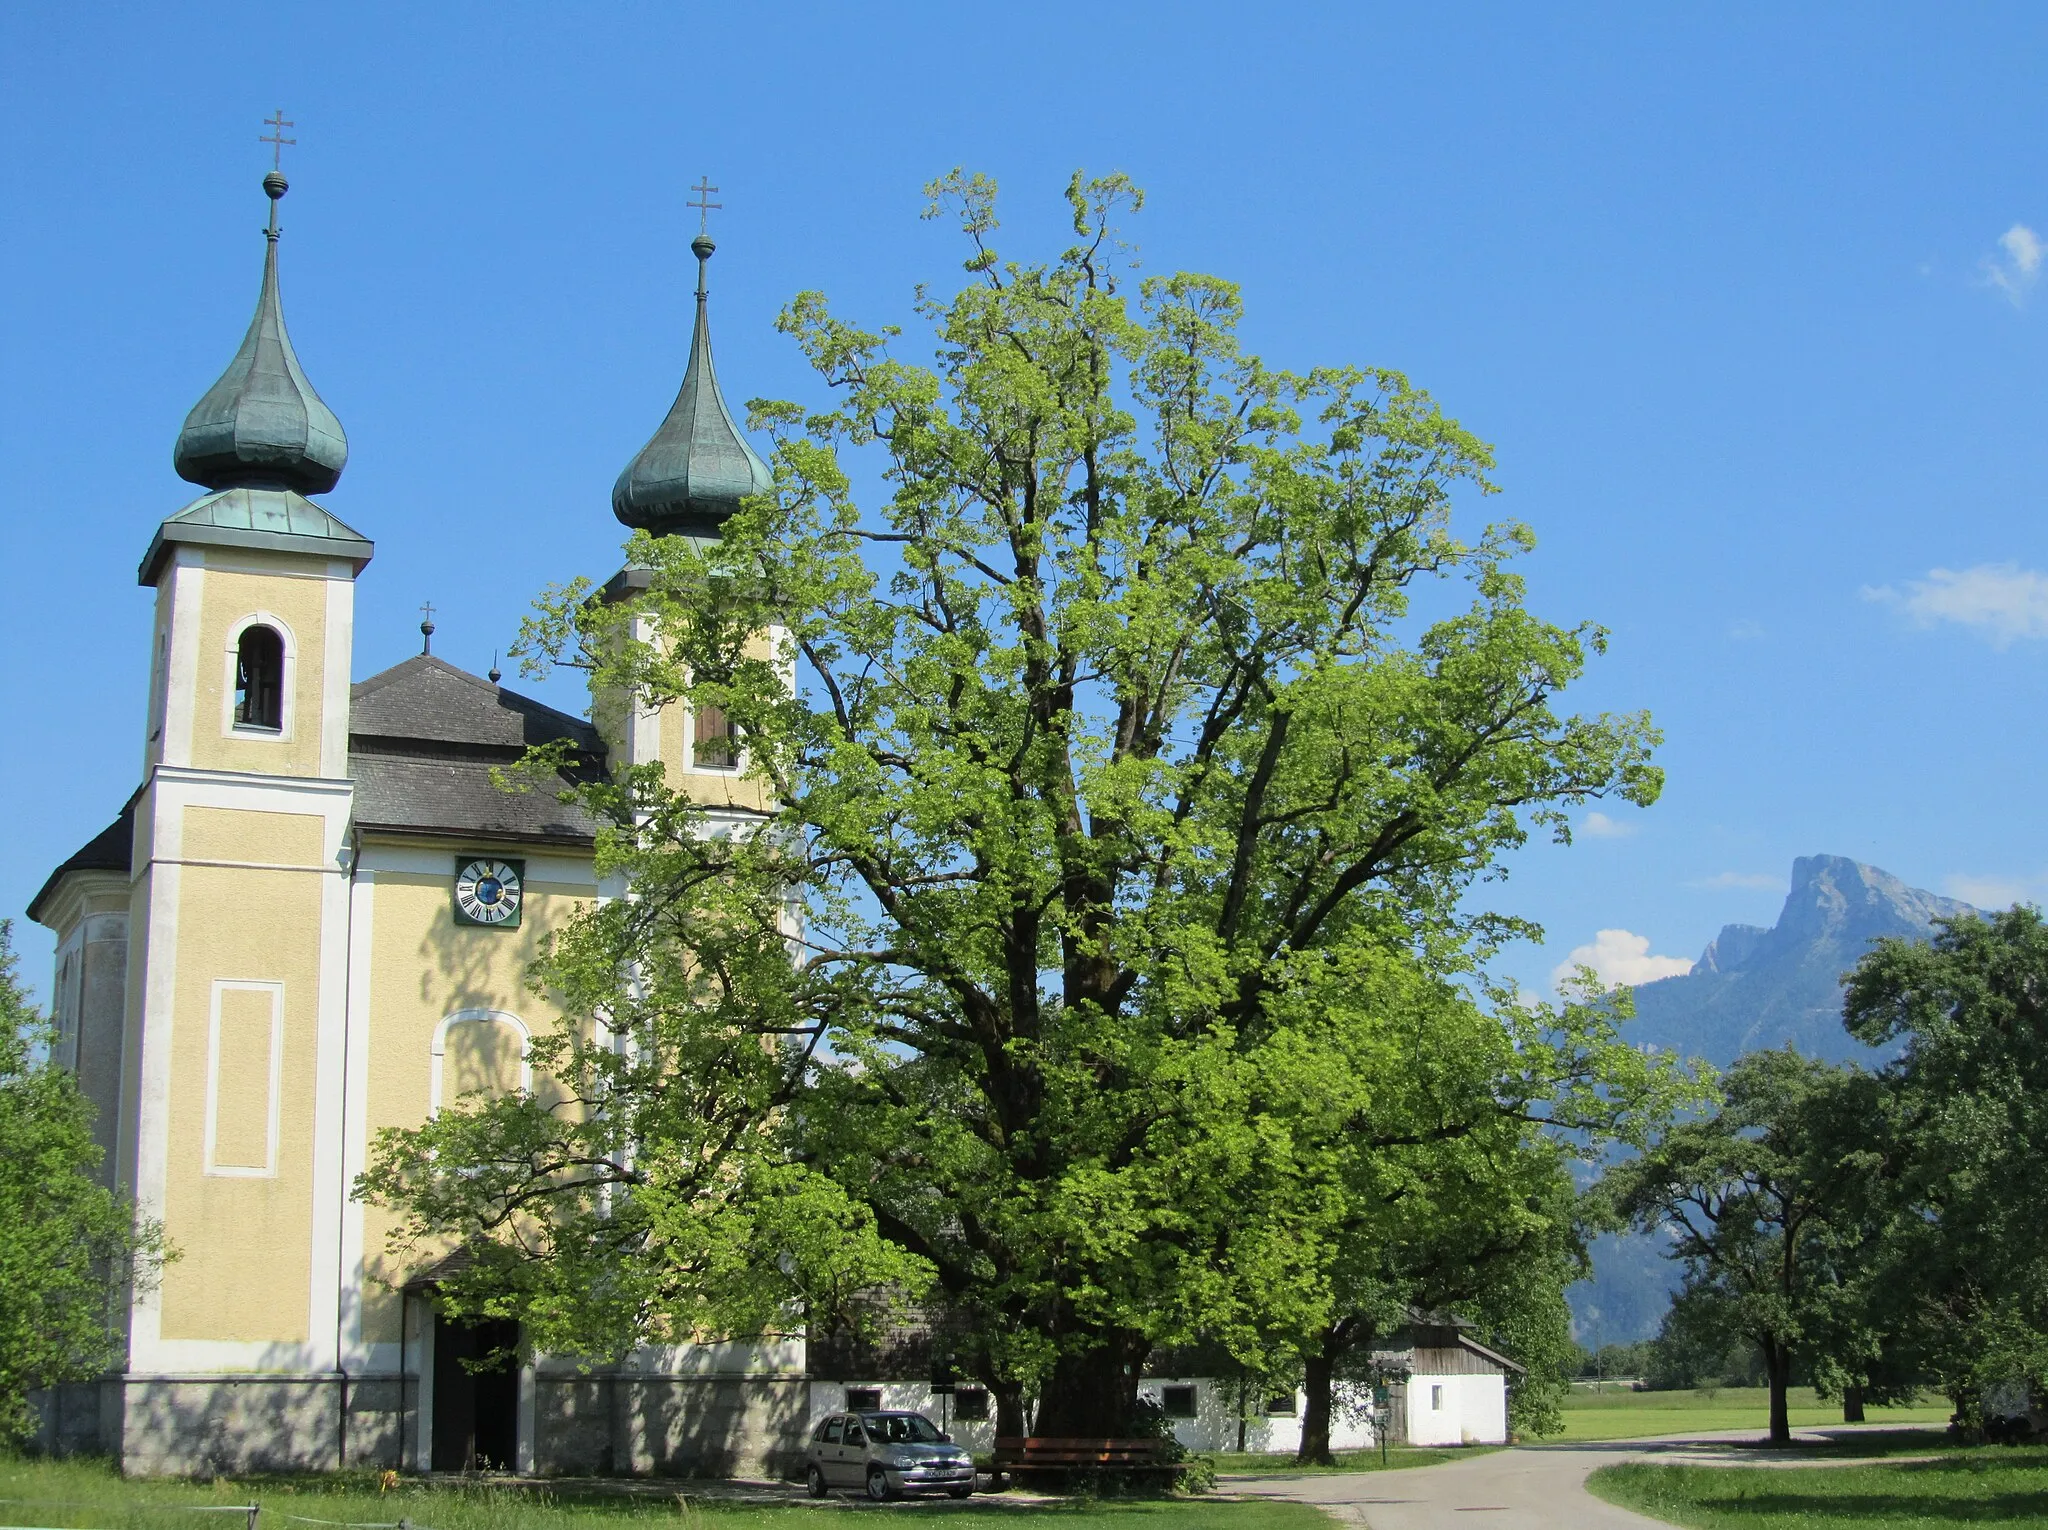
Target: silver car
<point x="888" y="1453"/>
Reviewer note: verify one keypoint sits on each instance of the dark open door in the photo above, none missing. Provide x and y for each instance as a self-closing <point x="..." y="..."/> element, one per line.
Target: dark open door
<point x="476" y="1411"/>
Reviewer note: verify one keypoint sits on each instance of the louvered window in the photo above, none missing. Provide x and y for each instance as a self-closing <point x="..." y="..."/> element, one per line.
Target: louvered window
<point x="714" y="747"/>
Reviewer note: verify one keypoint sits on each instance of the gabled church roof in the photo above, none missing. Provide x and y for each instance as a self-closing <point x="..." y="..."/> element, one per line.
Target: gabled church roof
<point x="423" y="739"/>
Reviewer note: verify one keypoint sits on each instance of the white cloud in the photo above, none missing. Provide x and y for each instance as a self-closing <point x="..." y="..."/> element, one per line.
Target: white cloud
<point x="1746" y="631"/>
<point x="1758" y="881"/>
<point x="2002" y="601"/>
<point x="1988" y="892"/>
<point x="2017" y="266"/>
<point x="1620" y="957"/>
<point x="1600" y="826"/>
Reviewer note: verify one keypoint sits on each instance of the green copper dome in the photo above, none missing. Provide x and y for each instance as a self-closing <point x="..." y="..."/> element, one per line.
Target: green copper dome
<point x="692" y="476"/>
<point x="262" y="425"/>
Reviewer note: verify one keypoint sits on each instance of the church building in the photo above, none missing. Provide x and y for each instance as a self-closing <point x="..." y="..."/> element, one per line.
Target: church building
<point x="312" y="920"/>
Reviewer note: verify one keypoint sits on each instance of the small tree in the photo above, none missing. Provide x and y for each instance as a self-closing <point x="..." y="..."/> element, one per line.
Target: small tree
<point x="70" y="1248"/>
<point x="1747" y="1194"/>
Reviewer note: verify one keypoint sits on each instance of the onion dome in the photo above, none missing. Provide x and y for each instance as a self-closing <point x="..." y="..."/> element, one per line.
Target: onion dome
<point x="691" y="477"/>
<point x="262" y="425"/>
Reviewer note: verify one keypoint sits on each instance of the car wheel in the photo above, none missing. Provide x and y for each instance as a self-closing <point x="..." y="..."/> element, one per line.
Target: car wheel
<point x="878" y="1485"/>
<point x="815" y="1481"/>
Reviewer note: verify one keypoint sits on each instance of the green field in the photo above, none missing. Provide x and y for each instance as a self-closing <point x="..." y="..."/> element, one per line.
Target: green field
<point x="74" y="1495"/>
<point x="1623" y="1415"/>
<point x="1983" y="1487"/>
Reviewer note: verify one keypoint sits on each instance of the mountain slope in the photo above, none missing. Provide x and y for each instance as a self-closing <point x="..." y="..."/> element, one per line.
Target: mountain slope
<point x="1756" y="988"/>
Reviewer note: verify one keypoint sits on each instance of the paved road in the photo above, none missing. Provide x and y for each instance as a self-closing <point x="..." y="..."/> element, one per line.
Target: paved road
<point x="1535" y="1487"/>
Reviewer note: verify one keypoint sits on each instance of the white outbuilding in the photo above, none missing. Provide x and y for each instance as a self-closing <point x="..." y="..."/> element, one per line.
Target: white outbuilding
<point x="1454" y="1392"/>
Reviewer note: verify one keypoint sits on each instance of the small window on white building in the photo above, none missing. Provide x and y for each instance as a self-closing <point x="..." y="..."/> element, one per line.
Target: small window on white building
<point x="970" y="1405"/>
<point x="1177" y="1402"/>
<point x="1280" y="1405"/>
<point x="863" y="1399"/>
<point x="1436" y="1399"/>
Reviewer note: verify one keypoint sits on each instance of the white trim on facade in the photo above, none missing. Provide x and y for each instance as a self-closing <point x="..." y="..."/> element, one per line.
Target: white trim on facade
<point x="356" y="1354"/>
<point x="336" y="653"/>
<point x="331" y="1287"/>
<point x="186" y="579"/>
<point x="438" y="860"/>
<point x="210" y="1164"/>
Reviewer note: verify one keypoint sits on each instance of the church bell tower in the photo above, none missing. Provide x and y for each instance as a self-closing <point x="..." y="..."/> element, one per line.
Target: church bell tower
<point x="235" y="1026"/>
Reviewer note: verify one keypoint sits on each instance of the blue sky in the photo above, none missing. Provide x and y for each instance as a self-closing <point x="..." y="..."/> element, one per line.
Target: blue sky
<point x="1748" y="298"/>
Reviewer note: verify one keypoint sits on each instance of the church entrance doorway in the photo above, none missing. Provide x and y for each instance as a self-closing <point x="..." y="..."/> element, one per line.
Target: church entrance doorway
<point x="476" y="1411"/>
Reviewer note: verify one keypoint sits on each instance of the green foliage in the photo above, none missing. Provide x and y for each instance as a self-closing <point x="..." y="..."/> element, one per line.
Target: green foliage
<point x="1131" y="761"/>
<point x="68" y="1246"/>
<point x="1963" y="1134"/>
<point x="1753" y="1197"/>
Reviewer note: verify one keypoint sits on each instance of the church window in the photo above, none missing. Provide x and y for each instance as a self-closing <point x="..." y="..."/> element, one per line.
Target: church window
<point x="479" y="1052"/>
<point x="712" y="745"/>
<point x="259" y="679"/>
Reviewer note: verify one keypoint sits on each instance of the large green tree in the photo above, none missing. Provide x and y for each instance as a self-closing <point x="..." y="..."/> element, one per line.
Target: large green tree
<point x="1127" y="706"/>
<point x="69" y="1247"/>
<point x="1965" y="1264"/>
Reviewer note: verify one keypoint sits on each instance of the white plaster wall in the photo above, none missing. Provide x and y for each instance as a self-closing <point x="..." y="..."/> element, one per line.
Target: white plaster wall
<point x="1214" y="1426"/>
<point x="1473" y="1411"/>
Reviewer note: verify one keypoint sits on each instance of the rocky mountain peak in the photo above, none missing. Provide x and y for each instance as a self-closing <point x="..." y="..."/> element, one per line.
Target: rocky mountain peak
<point x="1757" y="987"/>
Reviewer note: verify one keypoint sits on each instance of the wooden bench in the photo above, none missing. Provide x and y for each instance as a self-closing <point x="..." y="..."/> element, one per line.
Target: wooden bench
<point x="1024" y="1456"/>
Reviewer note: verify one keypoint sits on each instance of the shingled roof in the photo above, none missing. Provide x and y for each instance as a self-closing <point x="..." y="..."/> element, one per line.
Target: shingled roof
<point x="423" y="738"/>
<point x="109" y="850"/>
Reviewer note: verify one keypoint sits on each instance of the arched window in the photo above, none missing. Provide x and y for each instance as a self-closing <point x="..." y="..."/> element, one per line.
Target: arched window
<point x="478" y="1051"/>
<point x="259" y="679"/>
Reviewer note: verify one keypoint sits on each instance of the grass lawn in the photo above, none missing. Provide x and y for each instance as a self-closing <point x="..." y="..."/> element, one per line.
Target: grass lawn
<point x="78" y="1495"/>
<point x="1629" y="1415"/>
<point x="1259" y="1464"/>
<point x="1996" y="1485"/>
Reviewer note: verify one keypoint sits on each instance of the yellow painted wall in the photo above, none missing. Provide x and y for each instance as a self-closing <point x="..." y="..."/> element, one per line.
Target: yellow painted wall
<point x="244" y="1270"/>
<point x="301" y="603"/>
<point x="714" y="788"/>
<point x="426" y="967"/>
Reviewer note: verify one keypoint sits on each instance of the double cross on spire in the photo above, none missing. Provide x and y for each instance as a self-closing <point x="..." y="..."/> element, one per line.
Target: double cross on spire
<point x="704" y="205"/>
<point x="276" y="139"/>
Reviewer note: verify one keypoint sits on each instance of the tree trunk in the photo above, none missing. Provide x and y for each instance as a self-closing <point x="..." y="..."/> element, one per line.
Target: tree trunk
<point x="1088" y="1396"/>
<point x="1317" y="1371"/>
<point x="1010" y="1422"/>
<point x="1852" y="1403"/>
<point x="1778" y="1366"/>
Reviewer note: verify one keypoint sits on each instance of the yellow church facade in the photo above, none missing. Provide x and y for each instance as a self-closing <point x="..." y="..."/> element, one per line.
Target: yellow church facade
<point x="313" y="920"/>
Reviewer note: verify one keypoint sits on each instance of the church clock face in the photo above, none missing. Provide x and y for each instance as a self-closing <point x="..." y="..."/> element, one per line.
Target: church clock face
<point x="488" y="891"/>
